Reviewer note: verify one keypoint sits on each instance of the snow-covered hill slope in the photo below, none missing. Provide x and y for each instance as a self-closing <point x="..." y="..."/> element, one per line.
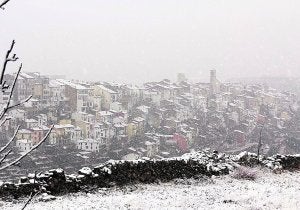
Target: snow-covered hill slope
<point x="268" y="191"/>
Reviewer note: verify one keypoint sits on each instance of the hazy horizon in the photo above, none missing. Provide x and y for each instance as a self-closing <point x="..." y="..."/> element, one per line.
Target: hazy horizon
<point x="138" y="41"/>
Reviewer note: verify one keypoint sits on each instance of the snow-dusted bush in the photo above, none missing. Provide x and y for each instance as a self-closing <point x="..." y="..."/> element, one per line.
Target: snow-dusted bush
<point x="244" y="173"/>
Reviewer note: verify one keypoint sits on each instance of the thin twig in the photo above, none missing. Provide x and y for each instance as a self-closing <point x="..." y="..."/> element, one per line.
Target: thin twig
<point x="32" y="195"/>
<point x="8" y="106"/>
<point x="5" y="156"/>
<point x="13" y="85"/>
<point x="32" y="149"/>
<point x="7" y="57"/>
<point x="5" y="120"/>
<point x="4" y="86"/>
<point x="3" y="4"/>
<point x="9" y="142"/>
<point x="19" y="103"/>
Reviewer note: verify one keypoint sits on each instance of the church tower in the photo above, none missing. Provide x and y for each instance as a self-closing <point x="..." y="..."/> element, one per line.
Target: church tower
<point x="213" y="82"/>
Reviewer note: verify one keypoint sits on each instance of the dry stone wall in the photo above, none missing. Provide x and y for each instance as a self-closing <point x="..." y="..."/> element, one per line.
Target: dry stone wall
<point x="118" y="173"/>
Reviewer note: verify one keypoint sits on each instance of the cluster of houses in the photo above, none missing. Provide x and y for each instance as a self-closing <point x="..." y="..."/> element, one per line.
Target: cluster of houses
<point x="157" y="119"/>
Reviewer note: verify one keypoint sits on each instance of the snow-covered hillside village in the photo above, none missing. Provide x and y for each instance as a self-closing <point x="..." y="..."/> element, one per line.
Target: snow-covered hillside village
<point x="95" y="122"/>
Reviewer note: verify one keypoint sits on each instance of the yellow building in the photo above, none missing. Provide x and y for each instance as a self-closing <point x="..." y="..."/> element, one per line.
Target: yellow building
<point x="65" y="122"/>
<point x="285" y="116"/>
<point x="85" y="128"/>
<point x="38" y="90"/>
<point x="268" y="99"/>
<point x="108" y="96"/>
<point x="132" y="129"/>
<point x="24" y="134"/>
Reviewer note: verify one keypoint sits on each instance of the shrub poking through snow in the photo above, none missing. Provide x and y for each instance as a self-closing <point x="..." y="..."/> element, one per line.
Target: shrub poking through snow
<point x="244" y="173"/>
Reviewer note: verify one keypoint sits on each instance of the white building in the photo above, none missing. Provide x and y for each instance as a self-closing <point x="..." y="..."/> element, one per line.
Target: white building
<point x="89" y="145"/>
<point x="152" y="149"/>
<point x="53" y="137"/>
<point x="155" y="96"/>
<point x="108" y="95"/>
<point x="57" y="90"/>
<point x="76" y="134"/>
<point x="24" y="145"/>
<point x="116" y="106"/>
<point x="78" y="96"/>
<point x="30" y="123"/>
<point x="42" y="119"/>
<point x="103" y="132"/>
<point x="105" y="116"/>
<point x="68" y="128"/>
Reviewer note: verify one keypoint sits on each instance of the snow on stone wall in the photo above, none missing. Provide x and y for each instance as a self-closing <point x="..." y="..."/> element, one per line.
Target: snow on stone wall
<point x="145" y="170"/>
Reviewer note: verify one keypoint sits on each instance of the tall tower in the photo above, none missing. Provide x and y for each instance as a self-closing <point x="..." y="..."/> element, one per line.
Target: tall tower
<point x="181" y="77"/>
<point x="213" y="82"/>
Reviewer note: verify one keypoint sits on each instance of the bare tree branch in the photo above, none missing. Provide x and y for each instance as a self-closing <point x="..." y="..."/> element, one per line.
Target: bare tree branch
<point x="5" y="120"/>
<point x="5" y="156"/>
<point x="17" y="104"/>
<point x="21" y="102"/>
<point x="8" y="106"/>
<point x="32" y="149"/>
<point x="32" y="195"/>
<point x="9" y="142"/>
<point x="4" y="86"/>
<point x="13" y="85"/>
<point x="7" y="59"/>
<point x="3" y="4"/>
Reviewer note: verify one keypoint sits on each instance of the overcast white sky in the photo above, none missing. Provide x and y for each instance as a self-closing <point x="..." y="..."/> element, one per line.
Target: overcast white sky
<point x="139" y="40"/>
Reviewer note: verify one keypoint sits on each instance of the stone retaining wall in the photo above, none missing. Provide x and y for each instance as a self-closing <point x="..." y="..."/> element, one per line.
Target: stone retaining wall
<point x="120" y="173"/>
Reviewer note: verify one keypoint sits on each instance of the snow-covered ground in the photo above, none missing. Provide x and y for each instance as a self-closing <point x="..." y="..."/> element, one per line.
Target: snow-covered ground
<point x="268" y="191"/>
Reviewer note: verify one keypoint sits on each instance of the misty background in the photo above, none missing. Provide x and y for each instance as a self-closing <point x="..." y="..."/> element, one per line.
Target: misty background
<point x="139" y="40"/>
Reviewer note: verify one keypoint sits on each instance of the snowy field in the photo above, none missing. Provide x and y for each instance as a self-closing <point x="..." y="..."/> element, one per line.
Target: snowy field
<point x="268" y="191"/>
